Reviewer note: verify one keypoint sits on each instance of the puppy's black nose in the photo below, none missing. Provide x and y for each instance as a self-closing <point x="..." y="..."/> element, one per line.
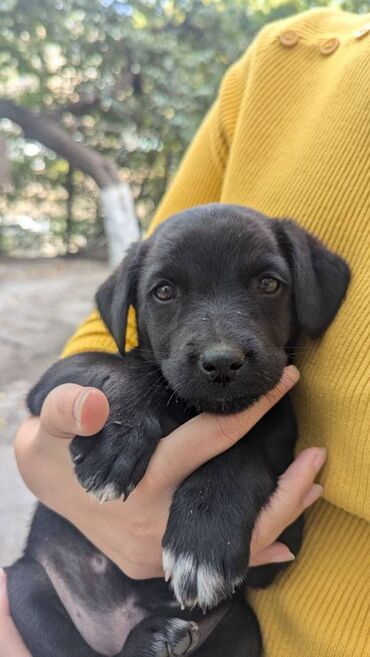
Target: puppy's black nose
<point x="221" y="363"/>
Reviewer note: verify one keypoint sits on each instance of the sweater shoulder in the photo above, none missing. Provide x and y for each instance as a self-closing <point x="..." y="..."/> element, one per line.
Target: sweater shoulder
<point x="313" y="25"/>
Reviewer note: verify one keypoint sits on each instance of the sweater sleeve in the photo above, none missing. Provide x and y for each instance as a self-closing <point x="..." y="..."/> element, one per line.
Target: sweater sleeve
<point x="198" y="180"/>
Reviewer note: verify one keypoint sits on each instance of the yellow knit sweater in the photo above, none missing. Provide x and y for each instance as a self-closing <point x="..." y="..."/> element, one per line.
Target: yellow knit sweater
<point x="289" y="134"/>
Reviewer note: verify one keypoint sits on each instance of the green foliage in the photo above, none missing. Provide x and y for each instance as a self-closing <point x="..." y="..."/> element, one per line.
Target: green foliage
<point x="130" y="78"/>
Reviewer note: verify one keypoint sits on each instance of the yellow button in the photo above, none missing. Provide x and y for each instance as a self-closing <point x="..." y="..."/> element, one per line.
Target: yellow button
<point x="362" y="31"/>
<point x="289" y="38"/>
<point x="329" y="46"/>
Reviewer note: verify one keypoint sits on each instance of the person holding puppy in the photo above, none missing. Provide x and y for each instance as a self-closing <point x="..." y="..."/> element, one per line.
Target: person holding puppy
<point x="288" y="135"/>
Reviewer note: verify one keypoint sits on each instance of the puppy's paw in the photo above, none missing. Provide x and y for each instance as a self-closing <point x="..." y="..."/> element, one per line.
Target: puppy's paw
<point x="111" y="463"/>
<point x="177" y="638"/>
<point x="204" y="561"/>
<point x="194" y="583"/>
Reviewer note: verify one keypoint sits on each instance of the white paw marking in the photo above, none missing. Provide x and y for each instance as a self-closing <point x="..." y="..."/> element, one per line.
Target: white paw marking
<point x="176" y="624"/>
<point x="168" y="562"/>
<point x="210" y="584"/>
<point x="211" y="587"/>
<point x="106" y="493"/>
<point x="184" y="569"/>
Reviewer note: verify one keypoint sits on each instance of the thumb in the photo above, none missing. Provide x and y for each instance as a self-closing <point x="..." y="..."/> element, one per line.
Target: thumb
<point x="68" y="410"/>
<point x="206" y="436"/>
<point x="71" y="409"/>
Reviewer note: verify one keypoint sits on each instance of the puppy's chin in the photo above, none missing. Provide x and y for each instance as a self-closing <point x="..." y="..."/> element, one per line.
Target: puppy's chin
<point x="225" y="400"/>
<point x="224" y="407"/>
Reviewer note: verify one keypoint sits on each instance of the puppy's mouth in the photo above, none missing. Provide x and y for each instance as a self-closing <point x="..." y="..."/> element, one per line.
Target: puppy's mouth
<point x="222" y="399"/>
<point x="224" y="406"/>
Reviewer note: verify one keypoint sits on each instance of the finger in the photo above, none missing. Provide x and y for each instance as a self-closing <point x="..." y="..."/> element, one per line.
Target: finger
<point x="274" y="553"/>
<point x="313" y="494"/>
<point x="296" y="491"/>
<point x="11" y="644"/>
<point x="206" y="436"/>
<point x="4" y="605"/>
<point x="71" y="409"/>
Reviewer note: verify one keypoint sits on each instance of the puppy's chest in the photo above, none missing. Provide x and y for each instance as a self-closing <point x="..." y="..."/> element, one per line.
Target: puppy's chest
<point x="105" y="617"/>
<point x="101" y="617"/>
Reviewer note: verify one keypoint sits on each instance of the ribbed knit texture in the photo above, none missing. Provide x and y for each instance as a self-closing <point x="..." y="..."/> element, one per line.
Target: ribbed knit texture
<point x="289" y="135"/>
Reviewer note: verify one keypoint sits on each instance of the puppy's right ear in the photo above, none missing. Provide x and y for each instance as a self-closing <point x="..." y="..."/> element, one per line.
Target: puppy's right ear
<point x="118" y="293"/>
<point x="320" y="277"/>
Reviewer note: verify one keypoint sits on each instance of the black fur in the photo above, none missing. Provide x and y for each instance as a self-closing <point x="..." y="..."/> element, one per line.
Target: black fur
<point x="218" y="345"/>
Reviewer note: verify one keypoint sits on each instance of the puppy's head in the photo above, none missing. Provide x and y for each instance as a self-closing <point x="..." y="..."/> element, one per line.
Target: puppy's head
<point x="220" y="291"/>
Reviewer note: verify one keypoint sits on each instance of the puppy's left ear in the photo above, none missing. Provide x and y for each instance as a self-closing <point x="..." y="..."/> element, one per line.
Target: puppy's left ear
<point x="118" y="293"/>
<point x="320" y="277"/>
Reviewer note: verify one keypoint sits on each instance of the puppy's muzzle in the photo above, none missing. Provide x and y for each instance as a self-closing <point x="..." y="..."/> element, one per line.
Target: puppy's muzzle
<point x="221" y="363"/>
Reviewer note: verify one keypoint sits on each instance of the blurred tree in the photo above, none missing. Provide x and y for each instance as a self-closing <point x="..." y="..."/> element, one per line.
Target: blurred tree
<point x="129" y="79"/>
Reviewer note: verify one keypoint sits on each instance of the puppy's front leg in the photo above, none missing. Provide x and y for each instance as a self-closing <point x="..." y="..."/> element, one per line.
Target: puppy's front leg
<point x="111" y="463"/>
<point x="207" y="540"/>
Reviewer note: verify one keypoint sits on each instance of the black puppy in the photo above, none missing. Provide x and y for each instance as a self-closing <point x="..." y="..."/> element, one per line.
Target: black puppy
<point x="221" y="293"/>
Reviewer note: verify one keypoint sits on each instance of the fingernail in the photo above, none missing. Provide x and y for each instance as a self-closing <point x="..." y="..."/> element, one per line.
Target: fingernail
<point x="295" y="370"/>
<point x="78" y="405"/>
<point x="320" y="458"/>
<point x="291" y="376"/>
<point x="287" y="556"/>
<point x="313" y="494"/>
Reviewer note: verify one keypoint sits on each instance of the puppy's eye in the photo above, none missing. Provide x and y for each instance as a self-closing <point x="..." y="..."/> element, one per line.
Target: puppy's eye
<point x="269" y="285"/>
<point x="164" y="292"/>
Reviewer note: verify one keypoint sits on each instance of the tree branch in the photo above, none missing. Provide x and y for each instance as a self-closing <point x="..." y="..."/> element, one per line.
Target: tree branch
<point x="89" y="102"/>
<point x="78" y="108"/>
<point x="52" y="136"/>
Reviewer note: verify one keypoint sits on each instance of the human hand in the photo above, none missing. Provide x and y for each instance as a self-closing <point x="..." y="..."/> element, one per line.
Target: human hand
<point x="11" y="644"/>
<point x="130" y="533"/>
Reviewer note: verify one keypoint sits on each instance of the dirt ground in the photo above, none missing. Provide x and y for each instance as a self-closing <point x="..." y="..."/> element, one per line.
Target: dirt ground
<point x="41" y="302"/>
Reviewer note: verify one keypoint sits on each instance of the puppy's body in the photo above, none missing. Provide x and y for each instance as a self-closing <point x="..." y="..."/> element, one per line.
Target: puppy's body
<point x="221" y="294"/>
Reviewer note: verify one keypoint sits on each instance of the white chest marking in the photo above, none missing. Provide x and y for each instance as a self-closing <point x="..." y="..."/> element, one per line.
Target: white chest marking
<point x="105" y="631"/>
